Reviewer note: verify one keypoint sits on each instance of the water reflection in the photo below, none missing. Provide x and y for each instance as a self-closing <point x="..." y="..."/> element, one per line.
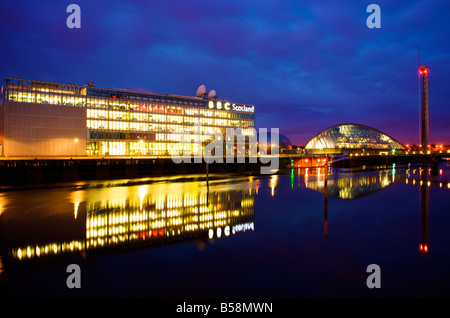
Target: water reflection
<point x="60" y="225"/>
<point x="424" y="211"/>
<point x="102" y="221"/>
<point x="349" y="186"/>
<point x="344" y="185"/>
<point x="325" y="205"/>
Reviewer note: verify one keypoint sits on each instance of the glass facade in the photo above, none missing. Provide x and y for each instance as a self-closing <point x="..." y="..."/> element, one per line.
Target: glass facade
<point x="124" y="122"/>
<point x="352" y="136"/>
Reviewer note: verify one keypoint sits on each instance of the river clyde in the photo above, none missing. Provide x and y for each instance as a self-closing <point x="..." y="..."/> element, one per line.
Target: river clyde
<point x="300" y="233"/>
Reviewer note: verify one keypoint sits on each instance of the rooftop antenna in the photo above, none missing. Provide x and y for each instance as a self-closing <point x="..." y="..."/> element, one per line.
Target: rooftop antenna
<point x="201" y="91"/>
<point x="212" y="94"/>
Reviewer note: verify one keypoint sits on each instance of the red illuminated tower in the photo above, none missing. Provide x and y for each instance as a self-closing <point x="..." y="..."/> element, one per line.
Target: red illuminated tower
<point x="423" y="100"/>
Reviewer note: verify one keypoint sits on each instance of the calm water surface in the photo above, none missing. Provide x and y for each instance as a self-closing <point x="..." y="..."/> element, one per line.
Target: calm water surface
<point x="301" y="233"/>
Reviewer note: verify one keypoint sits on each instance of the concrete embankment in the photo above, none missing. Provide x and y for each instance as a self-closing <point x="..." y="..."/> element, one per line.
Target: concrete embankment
<point x="25" y="171"/>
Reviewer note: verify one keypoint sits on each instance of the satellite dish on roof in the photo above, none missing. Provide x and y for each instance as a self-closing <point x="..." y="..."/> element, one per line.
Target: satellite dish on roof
<point x="201" y="90"/>
<point x="212" y="94"/>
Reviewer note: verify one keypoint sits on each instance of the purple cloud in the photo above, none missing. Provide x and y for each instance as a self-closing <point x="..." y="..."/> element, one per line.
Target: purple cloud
<point x="305" y="65"/>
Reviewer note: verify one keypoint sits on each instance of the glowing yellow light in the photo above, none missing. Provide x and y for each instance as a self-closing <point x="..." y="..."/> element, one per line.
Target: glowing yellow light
<point x="75" y="209"/>
<point x="75" y="140"/>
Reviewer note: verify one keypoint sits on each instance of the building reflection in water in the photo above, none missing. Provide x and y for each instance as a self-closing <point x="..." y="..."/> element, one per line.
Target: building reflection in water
<point x="346" y="186"/>
<point x="325" y="204"/>
<point x="428" y="176"/>
<point x="349" y="186"/>
<point x="424" y="208"/>
<point x="124" y="218"/>
<point x="138" y="217"/>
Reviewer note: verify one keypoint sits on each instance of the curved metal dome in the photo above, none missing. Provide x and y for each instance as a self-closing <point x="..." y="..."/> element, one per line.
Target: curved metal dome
<point x="352" y="136"/>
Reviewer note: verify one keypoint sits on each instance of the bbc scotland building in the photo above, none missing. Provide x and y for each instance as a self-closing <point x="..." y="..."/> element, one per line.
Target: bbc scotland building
<point x="51" y="119"/>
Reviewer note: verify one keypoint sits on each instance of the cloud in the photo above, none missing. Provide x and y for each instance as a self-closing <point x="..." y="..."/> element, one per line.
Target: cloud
<point x="305" y="65"/>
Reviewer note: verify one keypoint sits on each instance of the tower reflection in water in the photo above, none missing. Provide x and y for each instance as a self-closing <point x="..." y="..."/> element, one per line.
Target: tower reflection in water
<point x="139" y="217"/>
<point x="345" y="185"/>
<point x="349" y="186"/>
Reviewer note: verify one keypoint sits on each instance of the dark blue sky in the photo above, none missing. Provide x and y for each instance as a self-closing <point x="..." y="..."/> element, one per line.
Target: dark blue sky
<point x="305" y="65"/>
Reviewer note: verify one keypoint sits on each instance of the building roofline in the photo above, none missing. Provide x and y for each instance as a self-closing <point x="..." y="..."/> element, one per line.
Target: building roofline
<point x="124" y="90"/>
<point x="103" y="88"/>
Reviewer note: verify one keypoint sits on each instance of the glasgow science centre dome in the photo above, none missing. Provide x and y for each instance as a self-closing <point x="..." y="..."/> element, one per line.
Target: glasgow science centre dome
<point x="352" y="136"/>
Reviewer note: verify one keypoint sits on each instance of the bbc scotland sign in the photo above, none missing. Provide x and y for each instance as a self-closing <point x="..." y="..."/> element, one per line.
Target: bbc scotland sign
<point x="228" y="106"/>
